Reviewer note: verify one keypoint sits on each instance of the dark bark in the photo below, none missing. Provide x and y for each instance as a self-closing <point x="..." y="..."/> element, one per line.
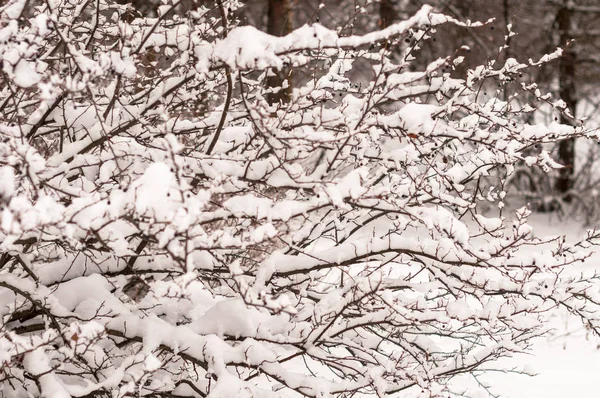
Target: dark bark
<point x="279" y="23"/>
<point x="567" y="92"/>
<point x="279" y="17"/>
<point x="387" y="13"/>
<point x="507" y="55"/>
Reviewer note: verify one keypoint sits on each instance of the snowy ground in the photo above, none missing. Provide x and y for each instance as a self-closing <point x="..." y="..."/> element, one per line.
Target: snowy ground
<point x="567" y="363"/>
<point x="567" y="367"/>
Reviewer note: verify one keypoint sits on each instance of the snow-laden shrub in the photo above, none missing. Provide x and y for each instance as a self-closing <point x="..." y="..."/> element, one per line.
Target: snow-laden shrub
<point x="166" y="231"/>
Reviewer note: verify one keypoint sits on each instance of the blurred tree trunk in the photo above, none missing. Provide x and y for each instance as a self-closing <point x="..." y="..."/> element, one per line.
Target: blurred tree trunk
<point x="279" y="17"/>
<point x="507" y="51"/>
<point x="567" y="91"/>
<point x="387" y="13"/>
<point x="279" y="23"/>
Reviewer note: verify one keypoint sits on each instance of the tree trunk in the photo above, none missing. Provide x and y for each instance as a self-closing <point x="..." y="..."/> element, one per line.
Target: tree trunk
<point x="387" y="13"/>
<point x="566" y="79"/>
<point x="507" y="55"/>
<point x="279" y="23"/>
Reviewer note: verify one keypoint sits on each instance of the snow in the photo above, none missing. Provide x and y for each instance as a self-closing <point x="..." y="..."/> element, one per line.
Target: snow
<point x="13" y="8"/>
<point x="563" y="368"/>
<point x="25" y="74"/>
<point x="7" y="183"/>
<point x="154" y="192"/>
<point x="332" y="246"/>
<point x="246" y="46"/>
<point x="563" y="363"/>
<point x="38" y="364"/>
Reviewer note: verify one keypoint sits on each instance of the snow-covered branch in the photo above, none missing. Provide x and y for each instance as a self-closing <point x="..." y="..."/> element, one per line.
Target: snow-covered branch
<point x="166" y="230"/>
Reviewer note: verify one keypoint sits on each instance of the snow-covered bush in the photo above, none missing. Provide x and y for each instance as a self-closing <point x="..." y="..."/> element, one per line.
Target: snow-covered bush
<point x="166" y="231"/>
